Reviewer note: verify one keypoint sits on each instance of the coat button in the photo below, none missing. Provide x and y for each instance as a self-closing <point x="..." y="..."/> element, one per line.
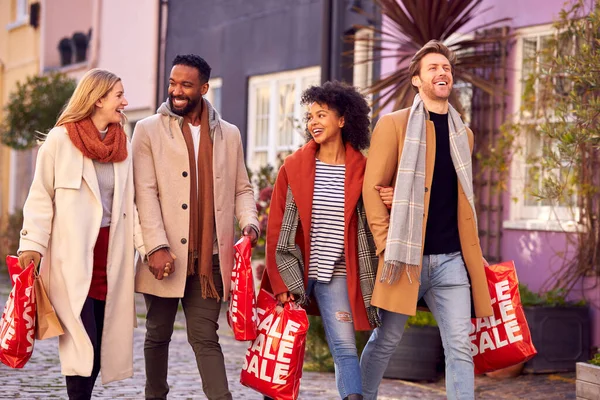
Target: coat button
<point x="184" y="206"/>
<point x="183" y="241"/>
<point x="426" y="190"/>
<point x="184" y="174"/>
<point x="124" y="215"/>
<point x="24" y="232"/>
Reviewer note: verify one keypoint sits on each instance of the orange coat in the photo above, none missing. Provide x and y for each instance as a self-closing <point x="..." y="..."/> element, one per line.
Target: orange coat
<point x="382" y="165"/>
<point x="298" y="171"/>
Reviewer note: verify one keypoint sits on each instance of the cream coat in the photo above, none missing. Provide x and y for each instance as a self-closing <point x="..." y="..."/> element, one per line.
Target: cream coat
<point x="62" y="217"/>
<point x="382" y="165"/>
<point x="162" y="186"/>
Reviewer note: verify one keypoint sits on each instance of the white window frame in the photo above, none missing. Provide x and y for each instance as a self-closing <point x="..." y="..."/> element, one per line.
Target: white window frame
<point x="273" y="81"/>
<point x="363" y="61"/>
<point x="522" y="216"/>
<point x="214" y="83"/>
<point x="21" y="15"/>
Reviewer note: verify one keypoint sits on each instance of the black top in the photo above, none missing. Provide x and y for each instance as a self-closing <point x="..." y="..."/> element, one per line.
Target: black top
<point x="441" y="236"/>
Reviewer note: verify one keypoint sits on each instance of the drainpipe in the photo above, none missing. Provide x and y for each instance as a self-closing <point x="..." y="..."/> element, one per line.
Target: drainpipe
<point x="163" y="12"/>
<point x="326" y="41"/>
<point x="95" y="42"/>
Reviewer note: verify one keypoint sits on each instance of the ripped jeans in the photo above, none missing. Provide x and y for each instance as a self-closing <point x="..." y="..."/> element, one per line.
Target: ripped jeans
<point x="334" y="306"/>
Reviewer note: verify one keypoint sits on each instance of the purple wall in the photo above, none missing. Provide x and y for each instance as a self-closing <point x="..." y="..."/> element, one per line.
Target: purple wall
<point x="523" y="12"/>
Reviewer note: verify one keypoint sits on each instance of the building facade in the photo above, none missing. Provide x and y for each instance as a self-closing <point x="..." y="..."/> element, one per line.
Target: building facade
<point x="263" y="54"/>
<point x="19" y="59"/>
<point x="120" y="36"/>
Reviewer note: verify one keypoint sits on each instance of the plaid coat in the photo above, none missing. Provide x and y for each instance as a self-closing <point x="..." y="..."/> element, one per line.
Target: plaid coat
<point x="298" y="171"/>
<point x="382" y="164"/>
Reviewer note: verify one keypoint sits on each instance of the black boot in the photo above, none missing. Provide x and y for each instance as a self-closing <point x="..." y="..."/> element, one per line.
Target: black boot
<point x="354" y="396"/>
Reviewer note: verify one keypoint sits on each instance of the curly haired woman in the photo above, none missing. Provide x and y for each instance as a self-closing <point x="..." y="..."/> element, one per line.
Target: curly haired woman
<point x="319" y="248"/>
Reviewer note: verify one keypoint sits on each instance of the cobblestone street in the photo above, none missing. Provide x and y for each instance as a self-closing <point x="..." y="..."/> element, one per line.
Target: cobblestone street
<point x="41" y="379"/>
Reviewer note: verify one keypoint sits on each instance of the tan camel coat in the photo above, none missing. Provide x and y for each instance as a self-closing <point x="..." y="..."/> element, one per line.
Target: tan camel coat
<point x="162" y="187"/>
<point x="382" y="165"/>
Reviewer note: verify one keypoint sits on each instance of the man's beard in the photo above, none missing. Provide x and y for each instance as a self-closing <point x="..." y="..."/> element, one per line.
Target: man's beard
<point x="429" y="91"/>
<point x="191" y="105"/>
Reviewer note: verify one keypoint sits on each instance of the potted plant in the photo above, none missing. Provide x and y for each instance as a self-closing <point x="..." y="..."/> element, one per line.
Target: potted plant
<point x="588" y="379"/>
<point x="419" y="356"/>
<point x="80" y="40"/>
<point x="560" y="330"/>
<point x="65" y="47"/>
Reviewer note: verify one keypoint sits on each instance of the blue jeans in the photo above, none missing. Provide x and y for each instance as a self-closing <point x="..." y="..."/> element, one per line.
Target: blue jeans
<point x="445" y="287"/>
<point x="334" y="306"/>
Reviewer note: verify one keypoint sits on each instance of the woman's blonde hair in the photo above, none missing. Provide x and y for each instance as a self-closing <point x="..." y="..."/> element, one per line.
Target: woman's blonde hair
<point x="94" y="85"/>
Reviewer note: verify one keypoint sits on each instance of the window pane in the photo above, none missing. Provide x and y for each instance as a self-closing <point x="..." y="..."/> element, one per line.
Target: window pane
<point x="465" y="96"/>
<point x="310" y="81"/>
<point x="533" y="146"/>
<point x="529" y="49"/>
<point x="259" y="160"/>
<point x="262" y="116"/>
<point x="285" y="118"/>
<point x="281" y="155"/>
<point x="545" y="43"/>
<point x="216" y="97"/>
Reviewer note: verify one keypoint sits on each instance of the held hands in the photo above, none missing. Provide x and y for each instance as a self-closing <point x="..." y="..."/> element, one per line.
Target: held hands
<point x="251" y="233"/>
<point x="161" y="263"/>
<point x="387" y="195"/>
<point x="27" y="256"/>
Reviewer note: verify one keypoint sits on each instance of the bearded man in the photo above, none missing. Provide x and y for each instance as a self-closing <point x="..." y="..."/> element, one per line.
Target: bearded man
<point x="427" y="243"/>
<point x="190" y="182"/>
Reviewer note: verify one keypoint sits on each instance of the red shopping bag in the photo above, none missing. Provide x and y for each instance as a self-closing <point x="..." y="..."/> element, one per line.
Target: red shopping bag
<point x="273" y="363"/>
<point x="503" y="339"/>
<point x="17" y="326"/>
<point x="241" y="314"/>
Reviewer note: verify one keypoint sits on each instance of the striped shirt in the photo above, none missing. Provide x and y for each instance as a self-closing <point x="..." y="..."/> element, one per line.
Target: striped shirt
<point x="327" y="223"/>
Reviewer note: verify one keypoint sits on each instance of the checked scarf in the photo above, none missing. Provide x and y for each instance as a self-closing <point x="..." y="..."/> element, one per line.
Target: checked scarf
<point x="291" y="267"/>
<point x="403" y="251"/>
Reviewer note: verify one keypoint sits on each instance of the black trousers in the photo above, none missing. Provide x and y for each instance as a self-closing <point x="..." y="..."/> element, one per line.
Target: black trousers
<point x="201" y="317"/>
<point x="92" y="316"/>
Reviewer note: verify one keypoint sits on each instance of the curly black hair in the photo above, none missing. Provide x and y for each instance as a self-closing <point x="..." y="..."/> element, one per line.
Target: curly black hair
<point x="194" y="61"/>
<point x="348" y="103"/>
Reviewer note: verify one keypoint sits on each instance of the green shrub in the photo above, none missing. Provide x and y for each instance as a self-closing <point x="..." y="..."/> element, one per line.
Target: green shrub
<point x="551" y="298"/>
<point x="318" y="357"/>
<point x="596" y="360"/>
<point x="422" y="318"/>
<point x="34" y="107"/>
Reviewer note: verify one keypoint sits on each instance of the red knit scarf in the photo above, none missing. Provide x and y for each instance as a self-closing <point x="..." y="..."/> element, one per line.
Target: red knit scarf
<point x="86" y="138"/>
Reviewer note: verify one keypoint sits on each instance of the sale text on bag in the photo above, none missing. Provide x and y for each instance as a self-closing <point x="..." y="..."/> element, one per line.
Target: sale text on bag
<point x="500" y="329"/>
<point x="8" y="320"/>
<point x="271" y="336"/>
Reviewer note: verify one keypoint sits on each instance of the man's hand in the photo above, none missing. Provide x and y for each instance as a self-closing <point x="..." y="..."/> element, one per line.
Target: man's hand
<point x="251" y="233"/>
<point x="28" y="256"/>
<point x="387" y="195"/>
<point x="161" y="263"/>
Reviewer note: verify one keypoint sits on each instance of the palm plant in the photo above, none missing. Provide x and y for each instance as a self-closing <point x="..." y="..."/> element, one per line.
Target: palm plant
<point x="410" y="24"/>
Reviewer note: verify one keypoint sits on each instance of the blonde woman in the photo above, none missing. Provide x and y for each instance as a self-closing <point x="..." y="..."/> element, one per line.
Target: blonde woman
<point x="80" y="220"/>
